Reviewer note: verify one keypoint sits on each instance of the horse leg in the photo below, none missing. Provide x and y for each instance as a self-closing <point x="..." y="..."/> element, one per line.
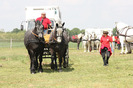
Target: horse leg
<point x="85" y="48"/>
<point x="97" y="47"/>
<point x="32" y="61"/>
<point x="36" y="62"/>
<point x="40" y="65"/>
<point x="55" y="59"/>
<point x="60" y="62"/>
<point x="122" y="48"/>
<point x="129" y="48"/>
<point x="67" y="56"/>
<point x="64" y="58"/>
<point x="78" y="43"/>
<point x="52" y="58"/>
<point x="92" y="46"/>
<point x="126" y="48"/>
<point x="88" y="43"/>
<point x="78" y="46"/>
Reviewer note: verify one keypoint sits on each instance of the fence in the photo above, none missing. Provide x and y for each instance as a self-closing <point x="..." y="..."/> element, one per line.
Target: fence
<point x="12" y="43"/>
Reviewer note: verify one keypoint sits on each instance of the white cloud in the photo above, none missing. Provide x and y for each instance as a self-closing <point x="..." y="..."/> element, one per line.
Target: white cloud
<point x="121" y="2"/>
<point x="65" y="2"/>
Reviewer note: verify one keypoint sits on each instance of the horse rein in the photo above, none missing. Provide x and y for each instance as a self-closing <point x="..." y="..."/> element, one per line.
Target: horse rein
<point x="128" y="27"/>
<point x="35" y="34"/>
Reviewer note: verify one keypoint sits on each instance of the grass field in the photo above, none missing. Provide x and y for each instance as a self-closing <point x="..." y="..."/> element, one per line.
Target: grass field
<point x="85" y="70"/>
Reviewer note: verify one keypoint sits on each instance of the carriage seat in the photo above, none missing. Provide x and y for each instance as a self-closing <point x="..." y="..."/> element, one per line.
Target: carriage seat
<point x="47" y="35"/>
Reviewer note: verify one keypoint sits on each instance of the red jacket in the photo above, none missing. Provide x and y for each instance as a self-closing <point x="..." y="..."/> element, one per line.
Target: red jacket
<point x="45" y="23"/>
<point x="116" y="38"/>
<point x="118" y="41"/>
<point x="105" y="42"/>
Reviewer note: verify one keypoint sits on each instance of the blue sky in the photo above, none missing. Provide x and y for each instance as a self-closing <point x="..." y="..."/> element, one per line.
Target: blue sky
<point x="75" y="13"/>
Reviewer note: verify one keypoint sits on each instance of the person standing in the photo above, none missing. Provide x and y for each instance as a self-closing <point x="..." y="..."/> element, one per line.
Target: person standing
<point x="105" y="49"/>
<point x="45" y="22"/>
<point x="118" y="43"/>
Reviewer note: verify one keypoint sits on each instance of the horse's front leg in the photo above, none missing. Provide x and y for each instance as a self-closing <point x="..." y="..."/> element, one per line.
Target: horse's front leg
<point x="52" y="58"/>
<point x="36" y="62"/>
<point x="40" y="65"/>
<point x="64" y="58"/>
<point x="32" y="61"/>
<point x="78" y="46"/>
<point x="60" y="62"/>
<point x="122" y="49"/>
<point x="89" y="46"/>
<point x="55" y="59"/>
<point x="85" y="48"/>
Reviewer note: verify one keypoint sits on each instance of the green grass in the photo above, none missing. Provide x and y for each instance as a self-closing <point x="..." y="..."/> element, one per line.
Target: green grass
<point x="86" y="70"/>
<point x="20" y="43"/>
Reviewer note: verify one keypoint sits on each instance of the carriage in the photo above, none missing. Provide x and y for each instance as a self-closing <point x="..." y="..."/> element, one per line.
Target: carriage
<point x="46" y="51"/>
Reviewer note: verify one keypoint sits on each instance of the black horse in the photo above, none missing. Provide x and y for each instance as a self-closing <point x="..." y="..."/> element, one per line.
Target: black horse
<point x="34" y="43"/>
<point x="58" y="44"/>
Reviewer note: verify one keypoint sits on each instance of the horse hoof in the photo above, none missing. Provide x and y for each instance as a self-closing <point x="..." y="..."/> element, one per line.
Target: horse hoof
<point x="64" y="66"/>
<point x="33" y="72"/>
<point x="40" y="71"/>
<point x="60" y="70"/>
<point x="0" y="65"/>
<point x="52" y="66"/>
<point x="121" y="53"/>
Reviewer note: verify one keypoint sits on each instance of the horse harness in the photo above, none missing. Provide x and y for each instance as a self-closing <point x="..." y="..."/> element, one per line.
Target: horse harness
<point x="34" y="41"/>
<point x="35" y="34"/>
<point x="128" y="27"/>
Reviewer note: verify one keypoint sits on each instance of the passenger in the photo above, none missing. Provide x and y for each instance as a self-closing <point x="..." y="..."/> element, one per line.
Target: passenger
<point x="46" y="22"/>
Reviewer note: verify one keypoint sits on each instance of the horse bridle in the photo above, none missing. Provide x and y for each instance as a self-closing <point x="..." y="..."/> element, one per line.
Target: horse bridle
<point x="56" y="35"/>
<point x="120" y="32"/>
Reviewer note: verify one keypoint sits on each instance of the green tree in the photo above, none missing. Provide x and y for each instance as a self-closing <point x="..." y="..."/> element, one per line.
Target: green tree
<point x="15" y="30"/>
<point x="114" y="31"/>
<point x="74" y="31"/>
<point x="82" y="31"/>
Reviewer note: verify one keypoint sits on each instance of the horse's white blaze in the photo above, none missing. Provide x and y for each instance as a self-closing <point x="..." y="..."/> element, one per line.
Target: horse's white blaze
<point x="59" y="34"/>
<point x="40" y="35"/>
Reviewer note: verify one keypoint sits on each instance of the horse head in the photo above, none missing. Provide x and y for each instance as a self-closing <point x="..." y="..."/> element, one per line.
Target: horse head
<point x="39" y="28"/>
<point x="89" y="36"/>
<point x="80" y="35"/>
<point x="59" y="32"/>
<point x="93" y="35"/>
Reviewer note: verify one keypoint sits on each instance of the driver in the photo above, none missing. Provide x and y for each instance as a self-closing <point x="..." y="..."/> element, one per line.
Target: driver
<point x="45" y="22"/>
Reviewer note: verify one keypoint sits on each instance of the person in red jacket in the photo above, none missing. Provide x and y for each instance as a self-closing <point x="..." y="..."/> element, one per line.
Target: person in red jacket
<point x="105" y="49"/>
<point x="118" y="43"/>
<point x="45" y="22"/>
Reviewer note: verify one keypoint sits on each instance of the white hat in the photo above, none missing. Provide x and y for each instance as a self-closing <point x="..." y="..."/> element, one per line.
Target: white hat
<point x="43" y="13"/>
<point x="105" y="32"/>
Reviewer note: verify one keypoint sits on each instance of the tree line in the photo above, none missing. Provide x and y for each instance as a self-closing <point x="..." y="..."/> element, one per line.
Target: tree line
<point x="18" y="34"/>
